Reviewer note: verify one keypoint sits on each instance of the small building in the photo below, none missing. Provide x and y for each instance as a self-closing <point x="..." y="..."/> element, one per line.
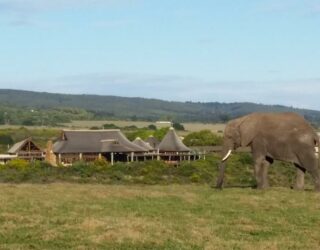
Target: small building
<point x="153" y="142"/>
<point x="139" y="142"/>
<point x="27" y="150"/>
<point x="172" y="149"/>
<point x="90" y="145"/>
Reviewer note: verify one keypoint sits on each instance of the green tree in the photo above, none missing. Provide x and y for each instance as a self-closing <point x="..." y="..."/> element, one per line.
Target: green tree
<point x="6" y="139"/>
<point x="152" y="127"/>
<point x="160" y="133"/>
<point x="110" y="126"/>
<point x="142" y="133"/>
<point x="203" y="138"/>
<point x="28" y="122"/>
<point x="178" y="126"/>
<point x="2" y="120"/>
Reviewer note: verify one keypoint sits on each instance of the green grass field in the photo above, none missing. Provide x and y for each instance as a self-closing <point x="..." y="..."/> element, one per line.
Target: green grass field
<point x="191" y="127"/>
<point x="86" y="216"/>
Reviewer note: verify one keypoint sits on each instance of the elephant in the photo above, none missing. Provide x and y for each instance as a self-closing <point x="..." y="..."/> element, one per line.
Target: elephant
<point x="285" y="137"/>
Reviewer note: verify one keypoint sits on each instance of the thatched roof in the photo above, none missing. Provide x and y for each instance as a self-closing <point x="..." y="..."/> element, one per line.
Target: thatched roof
<point x="94" y="141"/>
<point x="172" y="143"/>
<point x="19" y="146"/>
<point x="153" y="142"/>
<point x="139" y="142"/>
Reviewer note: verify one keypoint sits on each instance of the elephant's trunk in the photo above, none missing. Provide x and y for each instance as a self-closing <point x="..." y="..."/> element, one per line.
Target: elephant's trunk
<point x="222" y="167"/>
<point x="225" y="155"/>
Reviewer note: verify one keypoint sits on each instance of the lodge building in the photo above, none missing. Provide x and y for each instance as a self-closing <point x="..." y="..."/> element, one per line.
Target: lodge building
<point x="90" y="145"/>
<point x="111" y="145"/>
<point x="27" y="150"/>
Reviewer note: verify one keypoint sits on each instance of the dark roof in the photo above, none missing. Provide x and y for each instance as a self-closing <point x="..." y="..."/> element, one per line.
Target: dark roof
<point x="19" y="145"/>
<point x="172" y="143"/>
<point x="16" y="147"/>
<point x="153" y="142"/>
<point x="94" y="141"/>
<point x="115" y="147"/>
<point x="143" y="144"/>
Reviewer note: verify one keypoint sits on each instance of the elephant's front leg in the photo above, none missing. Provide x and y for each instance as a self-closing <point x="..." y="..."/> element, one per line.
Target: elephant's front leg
<point x="258" y="172"/>
<point x="260" y="163"/>
<point x="299" y="185"/>
<point x="264" y="174"/>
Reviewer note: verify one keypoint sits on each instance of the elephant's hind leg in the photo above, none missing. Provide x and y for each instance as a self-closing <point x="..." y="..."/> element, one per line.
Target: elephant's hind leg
<point x="310" y="163"/>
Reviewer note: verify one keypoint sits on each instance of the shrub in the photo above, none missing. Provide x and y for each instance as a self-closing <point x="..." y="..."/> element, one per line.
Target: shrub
<point x="203" y="138"/>
<point x="195" y="178"/>
<point x="245" y="158"/>
<point x="18" y="164"/>
<point x="152" y="127"/>
<point x="142" y="133"/>
<point x="160" y="133"/>
<point x="110" y="126"/>
<point x="178" y="126"/>
<point x="239" y="172"/>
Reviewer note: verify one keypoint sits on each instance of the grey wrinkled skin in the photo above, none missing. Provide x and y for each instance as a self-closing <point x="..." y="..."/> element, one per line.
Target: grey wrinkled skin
<point x="274" y="136"/>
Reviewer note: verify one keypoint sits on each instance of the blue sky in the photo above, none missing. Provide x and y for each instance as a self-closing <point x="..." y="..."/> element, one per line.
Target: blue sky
<point x="262" y="51"/>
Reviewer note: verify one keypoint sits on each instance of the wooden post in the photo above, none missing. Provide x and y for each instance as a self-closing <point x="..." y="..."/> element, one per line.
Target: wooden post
<point x="189" y="157"/>
<point x="158" y="155"/>
<point x="204" y="155"/>
<point x="112" y="158"/>
<point x="59" y="158"/>
<point x="99" y="156"/>
<point x="80" y="156"/>
<point x="132" y="156"/>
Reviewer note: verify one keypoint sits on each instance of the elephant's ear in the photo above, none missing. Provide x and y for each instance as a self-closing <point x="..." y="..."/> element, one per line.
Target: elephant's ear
<point x="248" y="130"/>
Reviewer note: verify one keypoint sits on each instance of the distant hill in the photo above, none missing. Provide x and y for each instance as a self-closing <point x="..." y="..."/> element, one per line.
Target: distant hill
<point x="112" y="107"/>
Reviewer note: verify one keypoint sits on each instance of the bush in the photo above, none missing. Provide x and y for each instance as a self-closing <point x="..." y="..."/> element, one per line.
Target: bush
<point x="152" y="127"/>
<point x="160" y="133"/>
<point x="195" y="178"/>
<point x="239" y="172"/>
<point x="178" y="126"/>
<point x="110" y="126"/>
<point x="142" y="133"/>
<point x="18" y="164"/>
<point x="203" y="138"/>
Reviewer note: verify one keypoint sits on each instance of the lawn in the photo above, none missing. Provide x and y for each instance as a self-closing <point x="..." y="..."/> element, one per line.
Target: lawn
<point x="92" y="216"/>
<point x="191" y="127"/>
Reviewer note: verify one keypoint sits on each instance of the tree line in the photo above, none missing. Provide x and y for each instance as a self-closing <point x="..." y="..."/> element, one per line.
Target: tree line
<point x="34" y="108"/>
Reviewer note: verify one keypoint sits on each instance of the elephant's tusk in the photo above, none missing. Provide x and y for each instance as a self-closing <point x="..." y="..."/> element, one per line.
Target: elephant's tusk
<point x="316" y="151"/>
<point x="227" y="155"/>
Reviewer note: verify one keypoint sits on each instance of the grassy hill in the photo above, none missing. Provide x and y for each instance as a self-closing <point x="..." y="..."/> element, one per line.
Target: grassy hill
<point x="47" y="108"/>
